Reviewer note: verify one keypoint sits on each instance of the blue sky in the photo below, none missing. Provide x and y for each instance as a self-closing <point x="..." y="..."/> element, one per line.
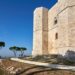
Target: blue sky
<point x="16" y="23"/>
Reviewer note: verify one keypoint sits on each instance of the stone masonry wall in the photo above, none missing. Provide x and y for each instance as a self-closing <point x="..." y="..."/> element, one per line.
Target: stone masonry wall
<point x="54" y="30"/>
<point x="40" y="35"/>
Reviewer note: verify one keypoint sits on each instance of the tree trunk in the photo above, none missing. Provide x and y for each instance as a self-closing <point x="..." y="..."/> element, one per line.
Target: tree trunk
<point x="22" y="53"/>
<point x="14" y="53"/>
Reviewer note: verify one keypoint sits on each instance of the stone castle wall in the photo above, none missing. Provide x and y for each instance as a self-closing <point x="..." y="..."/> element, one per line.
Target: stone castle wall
<point x="65" y="25"/>
<point x="54" y="31"/>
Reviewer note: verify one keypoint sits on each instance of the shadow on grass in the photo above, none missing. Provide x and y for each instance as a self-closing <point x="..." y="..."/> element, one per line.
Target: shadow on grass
<point x="43" y="69"/>
<point x="26" y="70"/>
<point x="39" y="71"/>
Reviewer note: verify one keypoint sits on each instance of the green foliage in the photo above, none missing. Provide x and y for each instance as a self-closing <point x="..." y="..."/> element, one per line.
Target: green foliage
<point x="68" y="62"/>
<point x="2" y="44"/>
<point x="14" y="49"/>
<point x="40" y="58"/>
<point x="23" y="49"/>
<point x="20" y="49"/>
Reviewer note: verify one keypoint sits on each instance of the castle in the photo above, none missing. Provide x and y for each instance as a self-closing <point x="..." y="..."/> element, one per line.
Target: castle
<point x="54" y="29"/>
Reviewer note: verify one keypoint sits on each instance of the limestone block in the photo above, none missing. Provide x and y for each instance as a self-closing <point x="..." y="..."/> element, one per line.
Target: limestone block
<point x="52" y="14"/>
<point x="62" y="4"/>
<point x="45" y="19"/>
<point x="63" y="29"/>
<point x="37" y="22"/>
<point x="45" y="42"/>
<point x="71" y="15"/>
<point x="37" y="43"/>
<point x="72" y="35"/>
<point x="71" y="2"/>
<point x="52" y="41"/>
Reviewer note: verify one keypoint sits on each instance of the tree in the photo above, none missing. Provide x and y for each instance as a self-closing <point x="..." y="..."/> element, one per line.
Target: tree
<point x="22" y="49"/>
<point x="2" y="44"/>
<point x="14" y="49"/>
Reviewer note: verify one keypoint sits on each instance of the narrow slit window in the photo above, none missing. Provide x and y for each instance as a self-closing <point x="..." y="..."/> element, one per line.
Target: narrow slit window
<point x="55" y="21"/>
<point x="56" y="36"/>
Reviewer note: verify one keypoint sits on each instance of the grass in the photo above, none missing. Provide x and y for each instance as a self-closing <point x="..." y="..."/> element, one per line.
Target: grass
<point x="52" y="59"/>
<point x="1" y="72"/>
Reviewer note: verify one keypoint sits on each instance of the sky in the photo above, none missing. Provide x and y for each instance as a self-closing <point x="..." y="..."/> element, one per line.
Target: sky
<point x="16" y="23"/>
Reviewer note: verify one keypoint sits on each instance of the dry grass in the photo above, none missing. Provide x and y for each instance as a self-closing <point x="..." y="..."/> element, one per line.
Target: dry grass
<point x="35" y="70"/>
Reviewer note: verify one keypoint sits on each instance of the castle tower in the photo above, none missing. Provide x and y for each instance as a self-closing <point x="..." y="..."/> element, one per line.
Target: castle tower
<point x="40" y="31"/>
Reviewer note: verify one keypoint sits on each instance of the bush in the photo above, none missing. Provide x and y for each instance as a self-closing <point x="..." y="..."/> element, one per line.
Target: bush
<point x="68" y="62"/>
<point x="54" y="58"/>
<point x="70" y="55"/>
<point x="38" y="58"/>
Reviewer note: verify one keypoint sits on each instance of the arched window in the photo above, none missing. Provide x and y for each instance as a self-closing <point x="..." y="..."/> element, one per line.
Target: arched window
<point x="56" y="36"/>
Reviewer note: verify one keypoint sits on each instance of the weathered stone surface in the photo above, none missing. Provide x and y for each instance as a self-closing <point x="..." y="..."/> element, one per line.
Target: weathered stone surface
<point x="54" y="29"/>
<point x="40" y="35"/>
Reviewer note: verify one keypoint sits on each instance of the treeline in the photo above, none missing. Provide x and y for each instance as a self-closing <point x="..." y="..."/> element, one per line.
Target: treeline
<point x="14" y="49"/>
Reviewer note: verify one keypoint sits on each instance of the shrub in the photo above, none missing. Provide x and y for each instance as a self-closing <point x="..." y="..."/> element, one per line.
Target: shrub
<point x="68" y="62"/>
<point x="70" y="55"/>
